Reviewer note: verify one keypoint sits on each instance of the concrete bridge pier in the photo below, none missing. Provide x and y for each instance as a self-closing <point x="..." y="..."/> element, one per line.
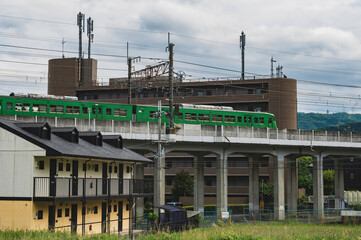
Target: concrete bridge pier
<point x="253" y="185"/>
<point x="317" y="176"/>
<point x="222" y="182"/>
<point x="339" y="183"/>
<point x="199" y="182"/>
<point x="292" y="185"/>
<point x="279" y="187"/>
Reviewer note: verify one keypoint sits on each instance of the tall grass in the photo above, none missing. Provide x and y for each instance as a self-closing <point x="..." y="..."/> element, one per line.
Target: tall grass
<point x="277" y="230"/>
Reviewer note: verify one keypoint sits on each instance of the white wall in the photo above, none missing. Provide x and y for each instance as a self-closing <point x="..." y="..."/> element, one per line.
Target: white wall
<point x="17" y="165"/>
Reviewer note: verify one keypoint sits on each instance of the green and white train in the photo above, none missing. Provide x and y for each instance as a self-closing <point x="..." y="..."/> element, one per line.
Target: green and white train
<point x="70" y="107"/>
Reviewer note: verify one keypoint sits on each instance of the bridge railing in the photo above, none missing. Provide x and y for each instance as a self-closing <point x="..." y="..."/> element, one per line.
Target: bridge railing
<point x="146" y="130"/>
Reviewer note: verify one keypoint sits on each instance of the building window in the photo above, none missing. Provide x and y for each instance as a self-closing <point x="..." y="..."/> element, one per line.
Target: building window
<point x="127" y="207"/>
<point x="60" y="212"/>
<point x="96" y="168"/>
<point x="109" y="208"/>
<point x="41" y="164"/>
<point x="40" y="214"/>
<point x="67" y="166"/>
<point x="110" y="169"/>
<point x="84" y="167"/>
<point x="168" y="181"/>
<point x="96" y="210"/>
<point x="60" y="167"/>
<point x="128" y="169"/>
<point x="115" y="169"/>
<point x="115" y="209"/>
<point x="66" y="214"/>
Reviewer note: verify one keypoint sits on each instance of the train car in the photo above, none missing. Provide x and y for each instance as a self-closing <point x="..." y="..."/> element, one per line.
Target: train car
<point x="208" y="115"/>
<point x="48" y="106"/>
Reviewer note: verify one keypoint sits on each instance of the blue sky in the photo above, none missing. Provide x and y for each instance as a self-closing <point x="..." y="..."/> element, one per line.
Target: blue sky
<point x="316" y="42"/>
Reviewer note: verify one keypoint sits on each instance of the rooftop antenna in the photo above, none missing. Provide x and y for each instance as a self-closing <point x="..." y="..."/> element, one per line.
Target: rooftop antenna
<point x="62" y="47"/>
<point x="90" y="34"/>
<point x="242" y="44"/>
<point x="81" y="23"/>
<point x="272" y="61"/>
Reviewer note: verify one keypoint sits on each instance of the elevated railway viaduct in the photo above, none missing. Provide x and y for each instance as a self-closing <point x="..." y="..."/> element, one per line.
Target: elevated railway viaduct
<point x="198" y="140"/>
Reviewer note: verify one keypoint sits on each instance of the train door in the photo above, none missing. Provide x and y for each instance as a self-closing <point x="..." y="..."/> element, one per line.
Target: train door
<point x="97" y="111"/>
<point x="247" y="119"/>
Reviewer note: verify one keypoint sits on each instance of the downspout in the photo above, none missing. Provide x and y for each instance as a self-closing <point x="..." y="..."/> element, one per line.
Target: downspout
<point x="84" y="198"/>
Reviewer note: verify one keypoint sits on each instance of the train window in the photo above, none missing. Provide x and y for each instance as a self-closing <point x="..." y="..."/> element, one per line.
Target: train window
<point x="59" y="109"/>
<point x="42" y="108"/>
<point x="108" y="111"/>
<point x="99" y="111"/>
<point x="180" y="116"/>
<point x="123" y="112"/>
<point x="239" y="119"/>
<point x="18" y="106"/>
<point x="152" y="115"/>
<point x="116" y="112"/>
<point x="68" y="109"/>
<point x="203" y="117"/>
<point x="36" y="107"/>
<point x="255" y="120"/>
<point x="217" y="118"/>
<point x="26" y="107"/>
<point x="9" y="106"/>
<point x="76" y="110"/>
<point x="261" y="120"/>
<point x="231" y="119"/>
<point x="190" y="116"/>
<point x="84" y="110"/>
<point x="52" y="108"/>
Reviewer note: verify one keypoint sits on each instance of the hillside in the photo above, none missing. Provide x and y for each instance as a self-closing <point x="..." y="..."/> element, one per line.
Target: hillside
<point x="311" y="121"/>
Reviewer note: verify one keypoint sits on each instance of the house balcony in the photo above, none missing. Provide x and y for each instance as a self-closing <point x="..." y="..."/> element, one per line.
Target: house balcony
<point x="65" y="189"/>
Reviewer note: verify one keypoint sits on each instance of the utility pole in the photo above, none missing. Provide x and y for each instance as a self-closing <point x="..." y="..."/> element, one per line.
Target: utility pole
<point x="62" y="48"/>
<point x="242" y="44"/>
<point x="90" y="34"/>
<point x="272" y="61"/>
<point x="130" y="76"/>
<point x="159" y="171"/>
<point x="170" y="47"/>
<point x="81" y="23"/>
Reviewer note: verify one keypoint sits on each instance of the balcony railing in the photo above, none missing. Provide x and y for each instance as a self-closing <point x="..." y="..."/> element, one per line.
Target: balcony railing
<point x="45" y="187"/>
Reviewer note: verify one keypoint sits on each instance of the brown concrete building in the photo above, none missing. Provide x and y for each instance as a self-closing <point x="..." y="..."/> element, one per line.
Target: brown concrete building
<point x="63" y="75"/>
<point x="274" y="95"/>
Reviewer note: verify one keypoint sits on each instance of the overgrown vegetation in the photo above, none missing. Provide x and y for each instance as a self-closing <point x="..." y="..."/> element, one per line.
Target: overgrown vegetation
<point x="183" y="185"/>
<point x="311" y="121"/>
<point x="221" y="231"/>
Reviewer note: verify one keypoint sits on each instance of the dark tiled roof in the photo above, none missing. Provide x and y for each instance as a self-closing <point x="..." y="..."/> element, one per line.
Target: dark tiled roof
<point x="58" y="146"/>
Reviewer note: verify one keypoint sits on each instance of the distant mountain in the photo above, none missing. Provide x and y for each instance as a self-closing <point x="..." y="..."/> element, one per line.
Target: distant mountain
<point x="312" y="121"/>
<point x="348" y="127"/>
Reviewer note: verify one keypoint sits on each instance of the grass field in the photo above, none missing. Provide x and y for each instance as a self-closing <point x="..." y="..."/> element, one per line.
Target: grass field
<point x="222" y="232"/>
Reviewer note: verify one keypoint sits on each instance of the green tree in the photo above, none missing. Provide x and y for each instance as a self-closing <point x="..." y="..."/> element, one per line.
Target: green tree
<point x="267" y="192"/>
<point x="183" y="185"/>
<point x="329" y="182"/>
<point x="305" y="174"/>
